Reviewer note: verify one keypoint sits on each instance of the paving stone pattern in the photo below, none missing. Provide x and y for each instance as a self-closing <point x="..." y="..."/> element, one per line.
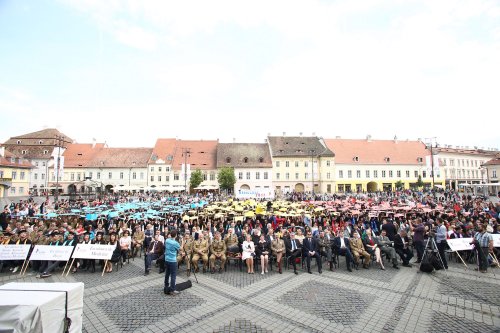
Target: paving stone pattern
<point x="444" y="323"/>
<point x="332" y="303"/>
<point x="241" y="326"/>
<point x="146" y="306"/>
<point x="483" y="292"/>
<point x="372" y="273"/>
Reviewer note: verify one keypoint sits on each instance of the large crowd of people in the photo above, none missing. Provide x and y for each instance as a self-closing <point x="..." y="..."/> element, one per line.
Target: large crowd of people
<point x="370" y="230"/>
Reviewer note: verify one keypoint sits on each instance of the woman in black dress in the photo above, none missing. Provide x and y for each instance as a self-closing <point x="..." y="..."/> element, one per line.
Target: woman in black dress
<point x="263" y="249"/>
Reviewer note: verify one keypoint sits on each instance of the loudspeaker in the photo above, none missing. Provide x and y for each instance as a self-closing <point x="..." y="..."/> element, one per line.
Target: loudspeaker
<point x="183" y="285"/>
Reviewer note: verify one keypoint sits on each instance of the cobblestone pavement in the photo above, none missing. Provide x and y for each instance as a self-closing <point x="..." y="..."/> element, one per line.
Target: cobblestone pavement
<point x="372" y="300"/>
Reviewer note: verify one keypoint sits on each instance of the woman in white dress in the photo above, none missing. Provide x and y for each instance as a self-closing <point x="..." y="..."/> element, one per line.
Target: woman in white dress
<point x="248" y="253"/>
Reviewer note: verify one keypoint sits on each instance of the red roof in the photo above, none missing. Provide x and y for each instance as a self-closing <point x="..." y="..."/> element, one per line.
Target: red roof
<point x="202" y="154"/>
<point x="354" y="151"/>
<point x="164" y="150"/>
<point x="81" y="154"/>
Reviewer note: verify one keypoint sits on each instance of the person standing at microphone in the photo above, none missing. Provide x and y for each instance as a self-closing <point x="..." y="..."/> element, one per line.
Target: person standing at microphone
<point x="171" y="248"/>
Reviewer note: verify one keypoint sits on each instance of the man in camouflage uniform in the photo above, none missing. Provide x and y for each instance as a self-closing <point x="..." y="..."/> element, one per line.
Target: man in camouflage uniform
<point x="218" y="250"/>
<point x="137" y="240"/>
<point x="186" y="251"/>
<point x="200" y="250"/>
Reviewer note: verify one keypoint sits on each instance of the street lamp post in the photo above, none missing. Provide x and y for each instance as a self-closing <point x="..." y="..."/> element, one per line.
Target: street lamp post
<point x="59" y="144"/>
<point x="431" y="143"/>
<point x="185" y="153"/>
<point x="312" y="172"/>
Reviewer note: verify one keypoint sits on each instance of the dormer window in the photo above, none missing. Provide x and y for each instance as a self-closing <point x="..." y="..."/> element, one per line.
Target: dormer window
<point x="45" y="152"/>
<point x="202" y="152"/>
<point x="80" y="154"/>
<point x="228" y="160"/>
<point x="261" y="159"/>
<point x="40" y="142"/>
<point x="420" y="159"/>
<point x="355" y="159"/>
<point x="24" y="152"/>
<point x="387" y="159"/>
<point x="245" y="160"/>
<point x="18" y="142"/>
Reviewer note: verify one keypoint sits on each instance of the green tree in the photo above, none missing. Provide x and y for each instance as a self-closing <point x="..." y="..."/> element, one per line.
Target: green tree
<point x="226" y="178"/>
<point x="420" y="182"/>
<point x="196" y="179"/>
<point x="399" y="185"/>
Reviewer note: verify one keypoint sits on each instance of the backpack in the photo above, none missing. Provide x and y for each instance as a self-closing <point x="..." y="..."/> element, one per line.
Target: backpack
<point x="436" y="263"/>
<point x="426" y="265"/>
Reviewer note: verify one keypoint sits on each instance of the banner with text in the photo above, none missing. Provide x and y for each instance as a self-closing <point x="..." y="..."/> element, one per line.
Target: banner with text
<point x="460" y="244"/>
<point x="52" y="253"/>
<point x="14" y="252"/>
<point x="258" y="193"/>
<point x="93" y="251"/>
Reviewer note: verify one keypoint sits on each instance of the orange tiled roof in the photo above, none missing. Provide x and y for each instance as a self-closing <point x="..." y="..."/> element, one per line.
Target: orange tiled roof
<point x="121" y="158"/>
<point x="203" y="154"/>
<point x="163" y="149"/>
<point x="376" y="151"/>
<point x="81" y="154"/>
<point x="495" y="161"/>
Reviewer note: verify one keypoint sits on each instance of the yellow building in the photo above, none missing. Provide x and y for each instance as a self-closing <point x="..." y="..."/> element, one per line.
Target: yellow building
<point x="380" y="165"/>
<point x="14" y="175"/>
<point x="301" y="164"/>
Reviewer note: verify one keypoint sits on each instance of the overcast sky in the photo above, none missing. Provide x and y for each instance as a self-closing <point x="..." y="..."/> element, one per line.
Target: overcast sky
<point x="129" y="72"/>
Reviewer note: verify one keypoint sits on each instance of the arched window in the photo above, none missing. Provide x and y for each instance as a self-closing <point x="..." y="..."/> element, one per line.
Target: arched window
<point x="228" y="159"/>
<point x="245" y="159"/>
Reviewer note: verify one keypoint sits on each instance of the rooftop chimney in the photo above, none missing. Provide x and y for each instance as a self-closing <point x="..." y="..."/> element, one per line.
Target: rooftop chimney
<point x="395" y="139"/>
<point x="369" y="138"/>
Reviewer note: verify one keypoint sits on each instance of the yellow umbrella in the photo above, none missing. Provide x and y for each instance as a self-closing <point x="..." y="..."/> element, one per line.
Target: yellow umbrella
<point x="238" y="218"/>
<point x="250" y="214"/>
<point x="185" y="218"/>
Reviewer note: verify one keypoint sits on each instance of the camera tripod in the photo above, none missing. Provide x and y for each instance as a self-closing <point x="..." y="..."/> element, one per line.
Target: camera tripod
<point x="433" y="248"/>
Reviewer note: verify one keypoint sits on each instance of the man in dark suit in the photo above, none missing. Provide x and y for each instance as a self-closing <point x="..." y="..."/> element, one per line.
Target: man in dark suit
<point x="311" y="249"/>
<point x="293" y="250"/>
<point x="155" y="251"/>
<point x="342" y="246"/>
<point x="401" y="242"/>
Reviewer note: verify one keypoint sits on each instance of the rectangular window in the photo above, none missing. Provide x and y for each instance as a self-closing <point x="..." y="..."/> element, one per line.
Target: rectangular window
<point x="14" y="174"/>
<point x="349" y="173"/>
<point x="152" y="178"/>
<point x="90" y="175"/>
<point x="257" y="175"/>
<point x="494" y="173"/>
<point x="34" y="175"/>
<point x="383" y="173"/>
<point x="212" y="175"/>
<point x="43" y="164"/>
<point x="398" y="173"/>
<point x="98" y="175"/>
<point x="416" y="174"/>
<point x="72" y="176"/>
<point x="78" y="176"/>
<point x="121" y="175"/>
<point x="306" y="175"/>
<point x="296" y="164"/>
<point x="248" y="175"/>
<point x="277" y="164"/>
<point x="358" y="173"/>
<point x="240" y="175"/>
<point x="306" y="164"/>
<point x="152" y="169"/>
<point x="390" y="173"/>
<point x="287" y="164"/>
<point x="21" y="190"/>
<point x="407" y="173"/>
<point x="110" y="175"/>
<point x="134" y="175"/>
<point x="277" y="175"/>
<point x="327" y="163"/>
<point x="341" y="174"/>
<point x="424" y="174"/>
<point x="159" y="169"/>
<point x="328" y="176"/>
<point x="266" y="175"/>
<point x="43" y="176"/>
<point x="22" y="174"/>
<point x="375" y="174"/>
<point x="287" y="175"/>
<point x="205" y="176"/>
<point x="159" y="178"/>
<point x="142" y="175"/>
<point x="12" y="190"/>
<point x="36" y="164"/>
<point x="167" y="168"/>
<point x="367" y="173"/>
<point x="296" y="175"/>
<point x="176" y="176"/>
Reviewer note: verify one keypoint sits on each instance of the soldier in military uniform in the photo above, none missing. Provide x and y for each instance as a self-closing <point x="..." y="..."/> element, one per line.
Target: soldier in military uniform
<point x="358" y="249"/>
<point x="232" y="241"/>
<point x="200" y="250"/>
<point x="278" y="248"/>
<point x="186" y="251"/>
<point x="137" y="240"/>
<point x="218" y="250"/>
<point x="325" y="248"/>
